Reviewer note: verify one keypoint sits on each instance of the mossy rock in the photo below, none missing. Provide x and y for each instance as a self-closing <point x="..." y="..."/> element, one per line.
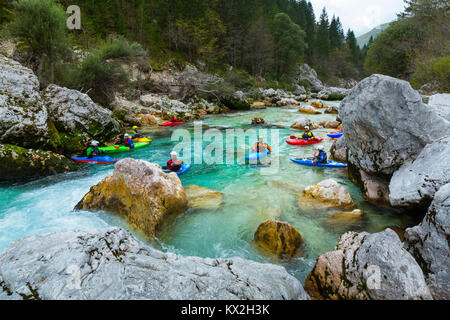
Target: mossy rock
<point x="17" y="163"/>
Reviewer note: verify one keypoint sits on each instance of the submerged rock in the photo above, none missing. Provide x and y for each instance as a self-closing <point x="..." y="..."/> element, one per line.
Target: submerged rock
<point x="17" y="163"/>
<point x="258" y="121"/>
<point x="309" y="110"/>
<point x="111" y="264"/>
<point x="416" y="182"/>
<point x="346" y="216"/>
<point x="326" y="194"/>
<point x="139" y="191"/>
<point x="278" y="238"/>
<point x="429" y="244"/>
<point x="201" y="198"/>
<point x="367" y="266"/>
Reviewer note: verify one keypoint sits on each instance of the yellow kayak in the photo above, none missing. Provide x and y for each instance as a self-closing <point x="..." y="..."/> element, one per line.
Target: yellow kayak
<point x="142" y="140"/>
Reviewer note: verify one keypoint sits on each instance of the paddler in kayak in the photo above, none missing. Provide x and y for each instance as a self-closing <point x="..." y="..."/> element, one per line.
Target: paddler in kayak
<point x="261" y="146"/>
<point x="174" y="119"/>
<point x="308" y="135"/>
<point x="174" y="164"/>
<point x="127" y="141"/>
<point x="92" y="151"/>
<point x="136" y="133"/>
<point x="320" y="157"/>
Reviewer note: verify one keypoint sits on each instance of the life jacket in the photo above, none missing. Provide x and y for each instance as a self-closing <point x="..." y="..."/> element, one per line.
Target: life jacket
<point x="308" y="135"/>
<point x="172" y="166"/>
<point x="92" y="152"/>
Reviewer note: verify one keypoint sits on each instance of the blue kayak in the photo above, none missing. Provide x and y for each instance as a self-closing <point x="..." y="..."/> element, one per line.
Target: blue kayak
<point x="336" y="135"/>
<point x="95" y="160"/>
<point x="310" y="163"/>
<point x="184" y="167"/>
<point x="257" y="155"/>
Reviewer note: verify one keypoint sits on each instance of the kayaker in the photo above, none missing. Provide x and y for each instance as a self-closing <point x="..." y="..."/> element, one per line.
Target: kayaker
<point x="174" y="164"/>
<point x="174" y="119"/>
<point x="136" y="133"/>
<point x="321" y="157"/>
<point x="261" y="147"/>
<point x="127" y="141"/>
<point x="308" y="135"/>
<point x="92" y="151"/>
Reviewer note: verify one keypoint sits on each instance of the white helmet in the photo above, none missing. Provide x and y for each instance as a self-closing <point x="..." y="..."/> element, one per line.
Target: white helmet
<point x="173" y="153"/>
<point x="94" y="143"/>
<point x="126" y="135"/>
<point x="321" y="148"/>
<point x="306" y="128"/>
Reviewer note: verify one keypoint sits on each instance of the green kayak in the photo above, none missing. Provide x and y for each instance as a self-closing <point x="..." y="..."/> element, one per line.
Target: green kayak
<point x="120" y="148"/>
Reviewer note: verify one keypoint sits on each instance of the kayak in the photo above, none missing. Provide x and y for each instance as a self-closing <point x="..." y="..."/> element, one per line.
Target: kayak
<point x="301" y="142"/>
<point x="145" y="139"/>
<point x="184" y="167"/>
<point x="121" y="148"/>
<point x="257" y="155"/>
<point x="335" y="135"/>
<point x="171" y="124"/>
<point x="310" y="163"/>
<point x="95" y="160"/>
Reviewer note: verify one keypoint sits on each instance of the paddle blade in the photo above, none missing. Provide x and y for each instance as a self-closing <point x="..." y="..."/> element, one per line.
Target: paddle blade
<point x="293" y="137"/>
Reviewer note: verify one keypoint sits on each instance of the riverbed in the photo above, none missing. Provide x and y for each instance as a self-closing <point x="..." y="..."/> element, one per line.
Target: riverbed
<point x="47" y="205"/>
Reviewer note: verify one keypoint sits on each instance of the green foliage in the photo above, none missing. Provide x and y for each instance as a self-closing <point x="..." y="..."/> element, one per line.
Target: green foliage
<point x="289" y="44"/>
<point x="431" y="70"/>
<point x="40" y="25"/>
<point x="5" y="11"/>
<point x="120" y="48"/>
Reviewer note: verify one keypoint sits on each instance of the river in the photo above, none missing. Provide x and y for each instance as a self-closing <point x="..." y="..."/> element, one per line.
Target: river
<point x="46" y="205"/>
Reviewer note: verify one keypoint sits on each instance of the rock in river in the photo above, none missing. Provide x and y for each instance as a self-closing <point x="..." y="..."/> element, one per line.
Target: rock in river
<point x="111" y="264"/>
<point x="327" y="194"/>
<point x="17" y="163"/>
<point x="416" y="182"/>
<point x="141" y="192"/>
<point x="429" y="244"/>
<point x="367" y="266"/>
<point x="203" y="198"/>
<point x="386" y="124"/>
<point x="278" y="238"/>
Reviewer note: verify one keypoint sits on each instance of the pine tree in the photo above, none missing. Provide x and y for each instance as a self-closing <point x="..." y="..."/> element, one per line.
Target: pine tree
<point x="323" y="35"/>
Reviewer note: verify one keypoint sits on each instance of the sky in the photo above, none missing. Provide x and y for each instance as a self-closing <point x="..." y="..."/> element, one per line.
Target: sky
<point x="360" y="15"/>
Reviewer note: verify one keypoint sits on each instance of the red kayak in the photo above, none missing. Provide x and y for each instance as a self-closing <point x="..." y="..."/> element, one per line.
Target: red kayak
<point x="171" y="124"/>
<point x="301" y="142"/>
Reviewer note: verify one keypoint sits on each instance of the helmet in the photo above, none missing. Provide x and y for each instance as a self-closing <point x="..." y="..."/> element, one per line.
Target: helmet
<point x="173" y="153"/>
<point x="261" y="137"/>
<point x="126" y="135"/>
<point x="306" y="128"/>
<point x="94" y="143"/>
<point x="321" y="148"/>
<point x="135" y="127"/>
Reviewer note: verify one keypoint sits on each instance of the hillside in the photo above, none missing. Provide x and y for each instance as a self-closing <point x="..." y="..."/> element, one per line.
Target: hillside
<point x="365" y="38"/>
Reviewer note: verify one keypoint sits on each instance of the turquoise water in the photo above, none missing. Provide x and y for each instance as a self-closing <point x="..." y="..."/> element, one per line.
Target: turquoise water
<point x="46" y="205"/>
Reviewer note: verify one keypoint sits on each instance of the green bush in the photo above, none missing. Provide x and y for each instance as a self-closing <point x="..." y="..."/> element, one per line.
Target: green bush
<point x="431" y="70"/>
<point x="120" y="48"/>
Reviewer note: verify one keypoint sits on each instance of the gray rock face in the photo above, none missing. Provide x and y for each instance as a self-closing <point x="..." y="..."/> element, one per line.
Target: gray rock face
<point x="23" y="118"/>
<point x="112" y="264"/>
<point x="429" y="244"/>
<point x="415" y="183"/>
<point x="339" y="150"/>
<point x="72" y="111"/>
<point x="308" y="74"/>
<point x="332" y="93"/>
<point x="368" y="266"/>
<point x="386" y="124"/>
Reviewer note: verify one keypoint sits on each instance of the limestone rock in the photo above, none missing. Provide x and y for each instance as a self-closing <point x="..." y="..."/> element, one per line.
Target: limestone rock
<point x="386" y="124"/>
<point x="339" y="150"/>
<point x="326" y="194"/>
<point x="308" y="74"/>
<point x="309" y="110"/>
<point x="111" y="264"/>
<point x="367" y="267"/>
<point x="201" y="198"/>
<point x="139" y="191"/>
<point x="17" y="163"/>
<point x="415" y="183"/>
<point x="347" y="216"/>
<point x="429" y="244"/>
<point x="278" y="238"/>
